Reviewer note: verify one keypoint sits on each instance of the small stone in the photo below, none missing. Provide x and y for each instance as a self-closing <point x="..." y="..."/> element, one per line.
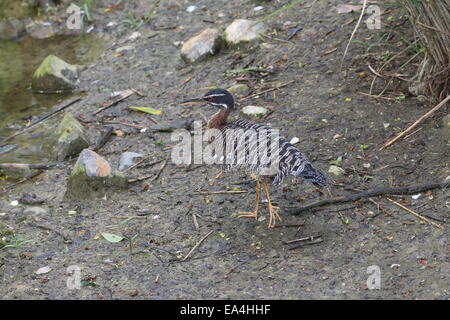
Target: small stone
<point x="43" y="270"/>
<point x="337" y="171"/>
<point x="202" y="45"/>
<point x="35" y="212"/>
<point x="14" y="203"/>
<point x="239" y="90"/>
<point x="134" y="35"/>
<point x="254" y="111"/>
<point x="55" y="74"/>
<point x="191" y="9"/>
<point x="127" y="159"/>
<point x="11" y="29"/>
<point x="72" y="138"/>
<point x="294" y="140"/>
<point x="124" y="49"/>
<point x="30" y="198"/>
<point x="92" y="176"/>
<point x="42" y="32"/>
<point x="243" y="30"/>
<point x="93" y="164"/>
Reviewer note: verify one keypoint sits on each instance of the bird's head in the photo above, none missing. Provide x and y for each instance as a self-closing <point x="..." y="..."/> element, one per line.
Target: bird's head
<point x="219" y="98"/>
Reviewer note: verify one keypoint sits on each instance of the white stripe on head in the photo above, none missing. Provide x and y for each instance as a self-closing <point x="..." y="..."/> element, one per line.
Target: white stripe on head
<point x="223" y="105"/>
<point x="215" y="95"/>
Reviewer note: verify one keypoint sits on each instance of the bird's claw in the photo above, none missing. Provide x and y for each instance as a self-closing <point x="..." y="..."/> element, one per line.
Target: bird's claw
<point x="273" y="215"/>
<point x="248" y="215"/>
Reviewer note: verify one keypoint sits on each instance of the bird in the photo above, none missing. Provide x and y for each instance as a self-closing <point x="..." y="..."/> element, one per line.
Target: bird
<point x="256" y="148"/>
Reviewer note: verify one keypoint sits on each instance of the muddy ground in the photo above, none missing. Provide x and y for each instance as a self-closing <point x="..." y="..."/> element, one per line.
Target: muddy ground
<point x="241" y="259"/>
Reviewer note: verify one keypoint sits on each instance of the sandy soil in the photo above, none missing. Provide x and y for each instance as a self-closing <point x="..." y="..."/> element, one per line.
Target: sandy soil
<point x="241" y="258"/>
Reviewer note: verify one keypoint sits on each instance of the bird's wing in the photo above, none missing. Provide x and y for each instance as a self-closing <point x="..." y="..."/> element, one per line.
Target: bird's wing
<point x="269" y="153"/>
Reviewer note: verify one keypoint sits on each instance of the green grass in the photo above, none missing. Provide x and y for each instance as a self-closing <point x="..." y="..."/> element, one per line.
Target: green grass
<point x="17" y="243"/>
<point x="152" y="11"/>
<point x="86" y="5"/>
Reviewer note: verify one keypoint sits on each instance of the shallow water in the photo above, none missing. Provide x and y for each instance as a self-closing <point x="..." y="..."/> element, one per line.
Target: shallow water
<point x="19" y="106"/>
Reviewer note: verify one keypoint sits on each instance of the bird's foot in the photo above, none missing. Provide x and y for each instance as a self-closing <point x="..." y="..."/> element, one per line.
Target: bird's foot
<point x="244" y="214"/>
<point x="273" y="215"/>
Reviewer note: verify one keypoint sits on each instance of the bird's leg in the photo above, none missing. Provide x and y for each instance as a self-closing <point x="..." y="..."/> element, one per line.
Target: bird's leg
<point x="273" y="214"/>
<point x="253" y="214"/>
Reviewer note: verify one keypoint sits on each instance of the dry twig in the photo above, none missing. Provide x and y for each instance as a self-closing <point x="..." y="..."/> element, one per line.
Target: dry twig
<point x="437" y="225"/>
<point x="415" y="124"/>
<point x="375" y="192"/>
<point x="195" y="247"/>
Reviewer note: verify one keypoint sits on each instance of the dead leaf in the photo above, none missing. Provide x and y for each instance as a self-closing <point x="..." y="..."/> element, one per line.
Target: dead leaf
<point x="422" y="261"/>
<point x="347" y="8"/>
<point x="43" y="270"/>
<point x="146" y="110"/>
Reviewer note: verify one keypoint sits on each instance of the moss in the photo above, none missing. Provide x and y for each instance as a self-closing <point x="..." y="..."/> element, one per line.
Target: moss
<point x="54" y="74"/>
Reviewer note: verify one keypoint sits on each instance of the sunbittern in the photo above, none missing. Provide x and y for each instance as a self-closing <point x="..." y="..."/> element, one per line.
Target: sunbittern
<point x="256" y="148"/>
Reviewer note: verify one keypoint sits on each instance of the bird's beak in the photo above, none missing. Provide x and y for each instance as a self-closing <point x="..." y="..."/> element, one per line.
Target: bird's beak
<point x="192" y="101"/>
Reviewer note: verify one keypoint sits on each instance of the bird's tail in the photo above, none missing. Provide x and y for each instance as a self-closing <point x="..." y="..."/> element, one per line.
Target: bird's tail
<point x="314" y="176"/>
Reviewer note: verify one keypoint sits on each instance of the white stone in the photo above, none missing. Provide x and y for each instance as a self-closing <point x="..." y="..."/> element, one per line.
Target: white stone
<point x="191" y="9"/>
<point x="201" y="45"/>
<point x="337" y="171"/>
<point x="254" y="111"/>
<point x="43" y="270"/>
<point x="242" y="30"/>
<point x="294" y="140"/>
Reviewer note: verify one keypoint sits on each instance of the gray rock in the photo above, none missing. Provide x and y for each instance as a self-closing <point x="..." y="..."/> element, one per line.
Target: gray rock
<point x="36" y="212"/>
<point x="254" y="111"/>
<point x="31" y="199"/>
<point x="11" y="29"/>
<point x="243" y="31"/>
<point x="127" y="159"/>
<point x="72" y="138"/>
<point x="92" y="177"/>
<point x="239" y="90"/>
<point x="42" y="32"/>
<point x="202" y="45"/>
<point x="55" y="74"/>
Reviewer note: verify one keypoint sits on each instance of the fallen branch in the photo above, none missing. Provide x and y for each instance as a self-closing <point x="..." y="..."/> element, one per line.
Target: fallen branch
<point x="415" y="124"/>
<point x="195" y="247"/>
<point x="221" y="192"/>
<point x="103" y="138"/>
<point x="12" y="185"/>
<point x="122" y="96"/>
<point x="266" y="91"/>
<point x="373" y="193"/>
<point x="354" y="31"/>
<point x="132" y="125"/>
<point x="60" y="108"/>
<point x="27" y="166"/>
<point x="437" y="225"/>
<point x="142" y="160"/>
